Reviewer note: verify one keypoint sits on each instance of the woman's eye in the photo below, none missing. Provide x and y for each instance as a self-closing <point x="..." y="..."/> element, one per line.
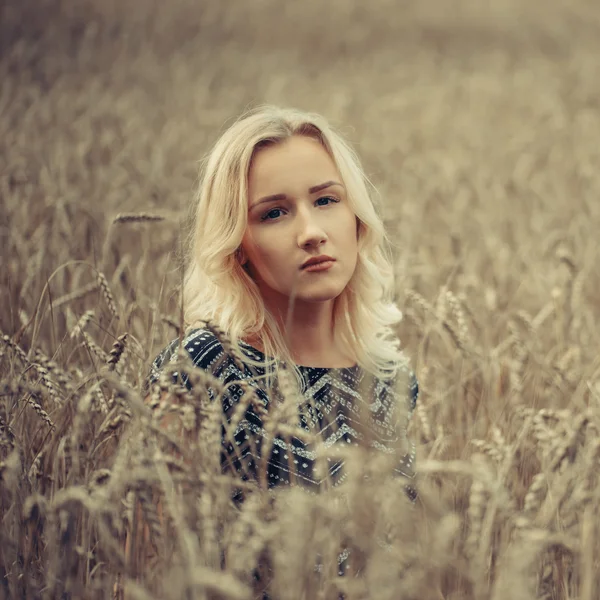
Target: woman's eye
<point x="273" y="213"/>
<point x="327" y="198"/>
<point x="266" y="216"/>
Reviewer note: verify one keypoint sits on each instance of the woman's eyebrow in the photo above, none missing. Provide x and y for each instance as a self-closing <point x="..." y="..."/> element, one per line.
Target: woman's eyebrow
<point x="322" y="186"/>
<point x="278" y="197"/>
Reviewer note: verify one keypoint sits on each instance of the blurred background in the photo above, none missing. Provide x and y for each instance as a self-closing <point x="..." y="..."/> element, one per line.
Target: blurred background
<point x="477" y="121"/>
<point x="479" y="124"/>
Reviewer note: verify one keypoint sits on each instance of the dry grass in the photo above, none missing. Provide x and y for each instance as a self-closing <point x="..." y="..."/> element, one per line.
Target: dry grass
<point x="479" y="123"/>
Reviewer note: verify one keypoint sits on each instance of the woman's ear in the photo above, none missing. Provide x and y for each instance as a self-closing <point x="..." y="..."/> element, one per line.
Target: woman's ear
<point x="241" y="257"/>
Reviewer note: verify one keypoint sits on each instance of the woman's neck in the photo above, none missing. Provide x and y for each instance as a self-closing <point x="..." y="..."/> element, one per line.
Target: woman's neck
<point x="308" y="333"/>
<point x="324" y="358"/>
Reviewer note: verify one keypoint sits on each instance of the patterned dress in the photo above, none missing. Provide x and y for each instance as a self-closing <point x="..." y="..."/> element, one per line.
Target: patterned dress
<point x="333" y="411"/>
<point x="334" y="403"/>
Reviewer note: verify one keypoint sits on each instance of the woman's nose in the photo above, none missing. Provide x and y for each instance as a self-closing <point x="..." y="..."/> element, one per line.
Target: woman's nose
<point x="310" y="230"/>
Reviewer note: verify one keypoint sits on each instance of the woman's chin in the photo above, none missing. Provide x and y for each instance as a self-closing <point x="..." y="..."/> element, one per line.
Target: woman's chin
<point x="320" y="296"/>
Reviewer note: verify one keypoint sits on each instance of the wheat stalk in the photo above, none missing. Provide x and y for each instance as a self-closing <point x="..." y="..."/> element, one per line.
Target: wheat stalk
<point x="82" y="292"/>
<point x="40" y="411"/>
<point x="51" y="387"/>
<point x="81" y="323"/>
<point x="228" y="347"/>
<point x="137" y="218"/>
<point x="63" y="378"/>
<point x="8" y="343"/>
<point x="94" y="349"/>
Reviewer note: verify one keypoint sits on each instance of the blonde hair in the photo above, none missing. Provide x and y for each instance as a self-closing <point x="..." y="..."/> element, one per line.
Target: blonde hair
<point x="218" y="288"/>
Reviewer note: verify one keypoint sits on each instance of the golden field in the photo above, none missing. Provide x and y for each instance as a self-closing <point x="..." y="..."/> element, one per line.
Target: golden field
<point x="479" y="123"/>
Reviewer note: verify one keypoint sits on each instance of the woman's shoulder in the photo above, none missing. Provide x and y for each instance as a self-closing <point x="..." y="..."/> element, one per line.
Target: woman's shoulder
<point x="201" y="344"/>
<point x="406" y="377"/>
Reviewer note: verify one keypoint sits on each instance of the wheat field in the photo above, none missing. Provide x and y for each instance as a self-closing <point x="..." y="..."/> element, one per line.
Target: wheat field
<point x="478" y="122"/>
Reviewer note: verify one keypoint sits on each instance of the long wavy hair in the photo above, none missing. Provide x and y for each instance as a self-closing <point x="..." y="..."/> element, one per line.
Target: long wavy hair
<point x="218" y="288"/>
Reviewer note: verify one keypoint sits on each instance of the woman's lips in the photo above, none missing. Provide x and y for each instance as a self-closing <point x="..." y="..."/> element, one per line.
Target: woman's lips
<point x="321" y="266"/>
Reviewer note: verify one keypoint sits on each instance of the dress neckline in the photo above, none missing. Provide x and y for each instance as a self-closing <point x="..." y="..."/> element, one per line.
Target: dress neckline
<point x="353" y="367"/>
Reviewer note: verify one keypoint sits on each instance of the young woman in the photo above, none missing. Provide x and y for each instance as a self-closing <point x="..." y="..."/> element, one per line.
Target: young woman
<point x="288" y="257"/>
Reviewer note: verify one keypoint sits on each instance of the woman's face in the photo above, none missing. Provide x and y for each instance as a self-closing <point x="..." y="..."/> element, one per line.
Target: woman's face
<point x="298" y="209"/>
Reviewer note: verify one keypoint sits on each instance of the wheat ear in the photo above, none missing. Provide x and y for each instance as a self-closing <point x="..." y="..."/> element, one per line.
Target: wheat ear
<point x="116" y="352"/>
<point x="108" y="297"/>
<point x="137" y="218"/>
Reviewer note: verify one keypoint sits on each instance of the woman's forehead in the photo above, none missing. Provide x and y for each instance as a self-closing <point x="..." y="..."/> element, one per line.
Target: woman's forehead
<point x="297" y="161"/>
